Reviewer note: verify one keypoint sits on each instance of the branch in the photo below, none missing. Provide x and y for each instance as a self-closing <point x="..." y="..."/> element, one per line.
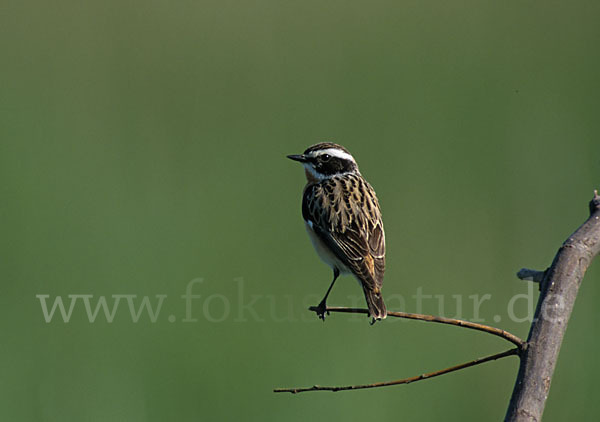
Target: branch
<point x="441" y="320"/>
<point x="475" y="362"/>
<point x="421" y="317"/>
<point x="559" y="289"/>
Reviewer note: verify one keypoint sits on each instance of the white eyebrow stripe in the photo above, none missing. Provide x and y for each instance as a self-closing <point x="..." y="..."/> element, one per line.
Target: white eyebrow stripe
<point x="335" y="153"/>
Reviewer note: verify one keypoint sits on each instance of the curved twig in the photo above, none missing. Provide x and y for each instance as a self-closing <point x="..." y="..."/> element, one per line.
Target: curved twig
<point x="421" y="317"/>
<point x="479" y="361"/>
<point x="441" y="320"/>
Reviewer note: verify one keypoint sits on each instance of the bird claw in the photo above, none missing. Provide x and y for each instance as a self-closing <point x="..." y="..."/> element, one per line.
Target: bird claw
<point x="321" y="310"/>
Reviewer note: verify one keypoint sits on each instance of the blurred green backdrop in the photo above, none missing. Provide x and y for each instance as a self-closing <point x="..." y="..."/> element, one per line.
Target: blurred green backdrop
<point x="142" y="146"/>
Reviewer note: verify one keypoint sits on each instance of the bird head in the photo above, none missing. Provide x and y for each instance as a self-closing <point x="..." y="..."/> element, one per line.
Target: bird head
<point x="325" y="160"/>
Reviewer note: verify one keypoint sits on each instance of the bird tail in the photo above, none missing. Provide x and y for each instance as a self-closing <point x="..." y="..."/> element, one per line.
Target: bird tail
<point x="375" y="303"/>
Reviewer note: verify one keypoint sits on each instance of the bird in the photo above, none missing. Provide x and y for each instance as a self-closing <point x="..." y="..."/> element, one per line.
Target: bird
<point x="343" y="220"/>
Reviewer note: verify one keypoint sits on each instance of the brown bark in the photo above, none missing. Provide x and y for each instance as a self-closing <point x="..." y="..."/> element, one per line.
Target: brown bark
<point x="558" y="290"/>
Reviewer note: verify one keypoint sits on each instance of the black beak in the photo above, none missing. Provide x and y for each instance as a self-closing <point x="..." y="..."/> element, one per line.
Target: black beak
<point x="298" y="157"/>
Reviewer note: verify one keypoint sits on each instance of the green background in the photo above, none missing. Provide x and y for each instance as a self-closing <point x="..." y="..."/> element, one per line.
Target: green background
<point x="143" y="143"/>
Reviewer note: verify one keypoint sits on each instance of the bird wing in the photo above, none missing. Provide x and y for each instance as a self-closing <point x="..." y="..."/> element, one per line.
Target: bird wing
<point x="345" y="215"/>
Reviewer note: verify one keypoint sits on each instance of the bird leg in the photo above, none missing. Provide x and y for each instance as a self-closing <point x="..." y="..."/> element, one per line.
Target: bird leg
<point x="322" y="307"/>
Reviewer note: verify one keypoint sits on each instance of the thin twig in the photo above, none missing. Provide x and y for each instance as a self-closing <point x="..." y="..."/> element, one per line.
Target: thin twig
<point x="479" y="361"/>
<point x="441" y="320"/>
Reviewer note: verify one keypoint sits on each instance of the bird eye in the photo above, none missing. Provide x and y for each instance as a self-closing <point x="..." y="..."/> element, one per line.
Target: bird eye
<point x="325" y="157"/>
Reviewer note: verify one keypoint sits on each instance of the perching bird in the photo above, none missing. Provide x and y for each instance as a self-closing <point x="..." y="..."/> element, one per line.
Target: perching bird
<point x="343" y="221"/>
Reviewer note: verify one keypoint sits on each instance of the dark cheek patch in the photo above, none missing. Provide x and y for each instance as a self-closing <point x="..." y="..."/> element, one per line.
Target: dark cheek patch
<point x="333" y="166"/>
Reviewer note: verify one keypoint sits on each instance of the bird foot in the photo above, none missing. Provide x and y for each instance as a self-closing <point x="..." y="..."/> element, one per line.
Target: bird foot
<point x="321" y="309"/>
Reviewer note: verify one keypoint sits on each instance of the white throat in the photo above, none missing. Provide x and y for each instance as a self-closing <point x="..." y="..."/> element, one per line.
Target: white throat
<point x="313" y="172"/>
